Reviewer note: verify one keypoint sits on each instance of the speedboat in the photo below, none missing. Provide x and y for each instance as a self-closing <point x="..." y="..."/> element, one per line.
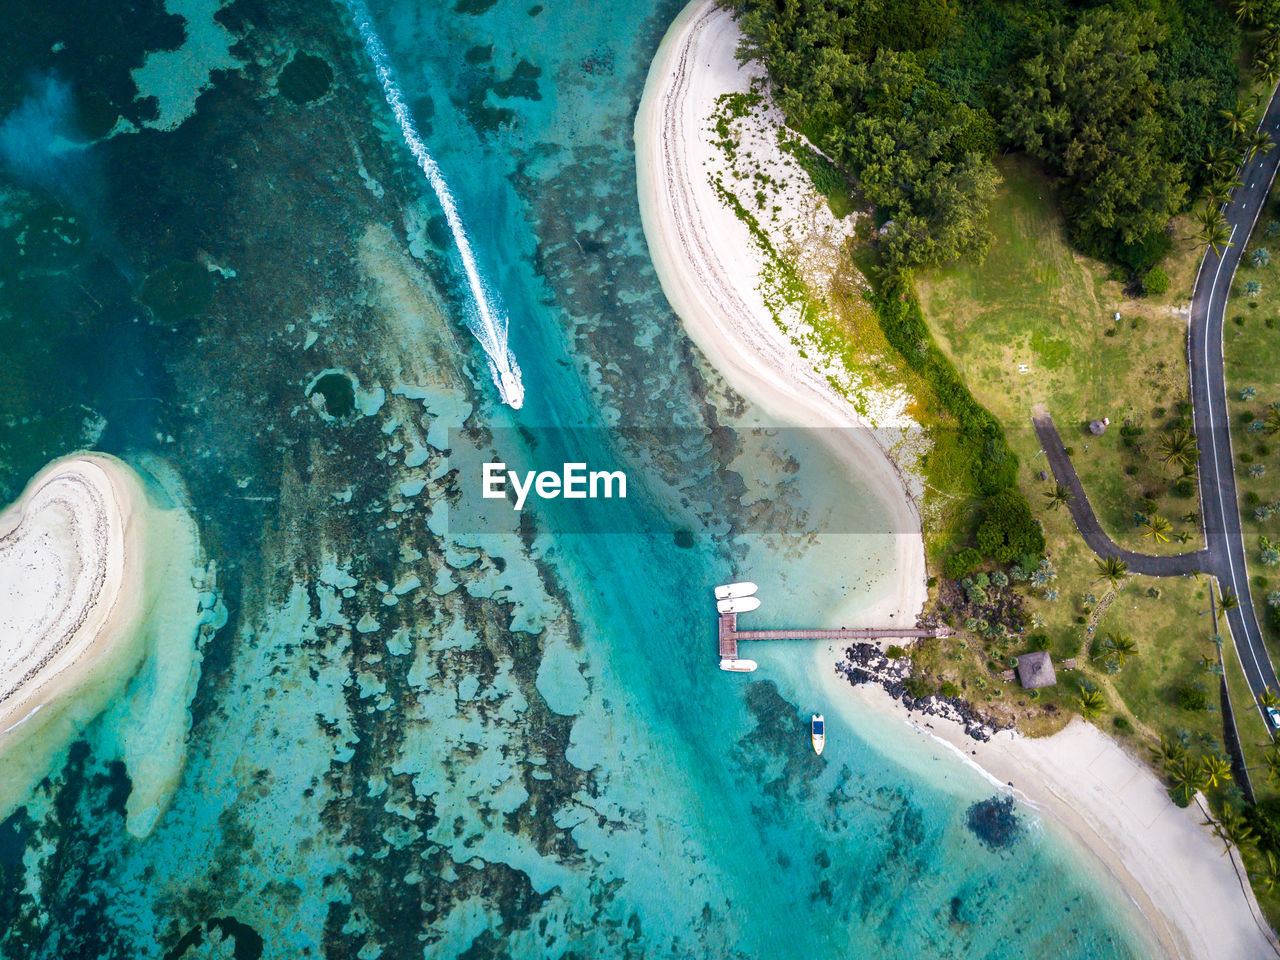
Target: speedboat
<point x="737" y="666"/>
<point x="817" y="733"/>
<point x="728" y="591"/>
<point x="738" y="605"/>
<point x="512" y="389"/>
<point x="510" y="386"/>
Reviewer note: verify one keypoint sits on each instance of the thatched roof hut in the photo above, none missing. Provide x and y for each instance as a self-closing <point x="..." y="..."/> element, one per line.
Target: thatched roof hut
<point x="1036" y="670"/>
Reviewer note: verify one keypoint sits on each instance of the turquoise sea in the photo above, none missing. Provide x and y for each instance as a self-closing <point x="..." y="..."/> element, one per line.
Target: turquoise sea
<point x="411" y="738"/>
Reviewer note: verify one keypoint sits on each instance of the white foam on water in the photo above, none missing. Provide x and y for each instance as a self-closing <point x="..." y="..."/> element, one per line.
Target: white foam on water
<point x="488" y="321"/>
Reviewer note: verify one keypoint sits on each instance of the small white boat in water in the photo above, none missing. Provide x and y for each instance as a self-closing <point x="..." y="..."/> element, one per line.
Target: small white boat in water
<point x="727" y="591"/>
<point x="818" y="733"/>
<point x="738" y="666"/>
<point x="738" y="605"/>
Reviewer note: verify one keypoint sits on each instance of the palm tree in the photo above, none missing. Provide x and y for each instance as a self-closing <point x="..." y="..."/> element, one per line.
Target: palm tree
<point x="1269" y="876"/>
<point x="1120" y="646"/>
<point x="1170" y="749"/>
<point x="1245" y="10"/>
<point x="1113" y="570"/>
<point x="1272" y="760"/>
<point x="1271" y="422"/>
<point x="1188" y="778"/>
<point x="1268" y="698"/>
<point x="1219" y="831"/>
<point x="1267" y="64"/>
<point x="1220" y="163"/>
<point x="1215" y="235"/>
<point x="1058" y="496"/>
<point x="1216" y="194"/>
<point x="1158" y="527"/>
<point x="1240" y="119"/>
<point x="1216" y="769"/>
<point x="1179" y="448"/>
<point x="1228" y="601"/>
<point x="1239" y="830"/>
<point x="1257" y="142"/>
<point x="1092" y="702"/>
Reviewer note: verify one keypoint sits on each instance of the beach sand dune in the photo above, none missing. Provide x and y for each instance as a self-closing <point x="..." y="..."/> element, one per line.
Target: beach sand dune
<point x="1195" y="899"/>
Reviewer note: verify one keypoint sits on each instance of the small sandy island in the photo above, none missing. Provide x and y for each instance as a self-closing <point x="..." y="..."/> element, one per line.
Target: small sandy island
<point x="91" y="572"/>
<point x="1195" y="898"/>
<point x="70" y="576"/>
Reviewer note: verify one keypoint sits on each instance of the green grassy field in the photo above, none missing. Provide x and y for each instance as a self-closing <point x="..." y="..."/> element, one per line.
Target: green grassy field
<point x="1251" y="339"/>
<point x="1035" y="323"/>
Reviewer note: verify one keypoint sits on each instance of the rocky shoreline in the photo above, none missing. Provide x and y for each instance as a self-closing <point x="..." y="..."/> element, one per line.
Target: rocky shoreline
<point x="867" y="663"/>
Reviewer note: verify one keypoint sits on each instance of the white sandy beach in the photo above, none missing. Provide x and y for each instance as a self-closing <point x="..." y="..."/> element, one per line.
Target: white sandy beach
<point x="710" y="270"/>
<point x="1195" y="898"/>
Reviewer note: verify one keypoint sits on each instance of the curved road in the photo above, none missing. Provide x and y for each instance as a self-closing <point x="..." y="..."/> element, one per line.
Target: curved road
<point x="1219" y="499"/>
<point x="1224" y="556"/>
<point x="1064" y="472"/>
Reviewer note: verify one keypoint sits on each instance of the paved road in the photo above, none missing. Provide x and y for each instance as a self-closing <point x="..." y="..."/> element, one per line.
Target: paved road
<point x="1087" y="523"/>
<point x="1219" y="499"/>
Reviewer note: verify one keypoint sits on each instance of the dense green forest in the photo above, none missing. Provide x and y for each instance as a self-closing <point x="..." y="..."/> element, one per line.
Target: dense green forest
<point x="1130" y="106"/>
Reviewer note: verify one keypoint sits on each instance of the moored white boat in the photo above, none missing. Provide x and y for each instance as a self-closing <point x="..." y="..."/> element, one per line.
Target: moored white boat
<point x="727" y="591"/>
<point x="738" y="605"/>
<point x="738" y="666"/>
<point x="818" y="733"/>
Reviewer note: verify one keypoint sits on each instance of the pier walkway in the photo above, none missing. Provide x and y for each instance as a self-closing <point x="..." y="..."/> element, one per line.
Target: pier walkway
<point x="730" y="635"/>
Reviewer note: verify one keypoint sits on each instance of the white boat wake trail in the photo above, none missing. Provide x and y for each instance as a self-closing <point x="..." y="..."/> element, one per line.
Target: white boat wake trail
<point x="488" y="322"/>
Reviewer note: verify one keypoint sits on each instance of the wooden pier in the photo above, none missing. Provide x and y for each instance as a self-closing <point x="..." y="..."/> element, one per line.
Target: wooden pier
<point x="730" y="634"/>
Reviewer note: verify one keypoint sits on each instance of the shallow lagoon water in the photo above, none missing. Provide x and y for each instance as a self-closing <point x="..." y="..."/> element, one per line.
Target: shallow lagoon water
<point x="414" y="740"/>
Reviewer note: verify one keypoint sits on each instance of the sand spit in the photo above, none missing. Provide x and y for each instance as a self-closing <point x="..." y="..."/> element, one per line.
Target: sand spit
<point x="100" y="607"/>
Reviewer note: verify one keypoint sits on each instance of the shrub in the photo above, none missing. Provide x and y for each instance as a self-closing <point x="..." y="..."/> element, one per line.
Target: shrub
<point x="1184" y="487"/>
<point x="1070" y="451"/>
<point x="949" y="689"/>
<point x="1007" y="528"/>
<point x="917" y="686"/>
<point x="895" y="652"/>
<point x="1122" y="724"/>
<point x="961" y="563"/>
<point x="1156" y="281"/>
<point x="1191" y="697"/>
<point x="992" y="463"/>
<point x="1037" y="641"/>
